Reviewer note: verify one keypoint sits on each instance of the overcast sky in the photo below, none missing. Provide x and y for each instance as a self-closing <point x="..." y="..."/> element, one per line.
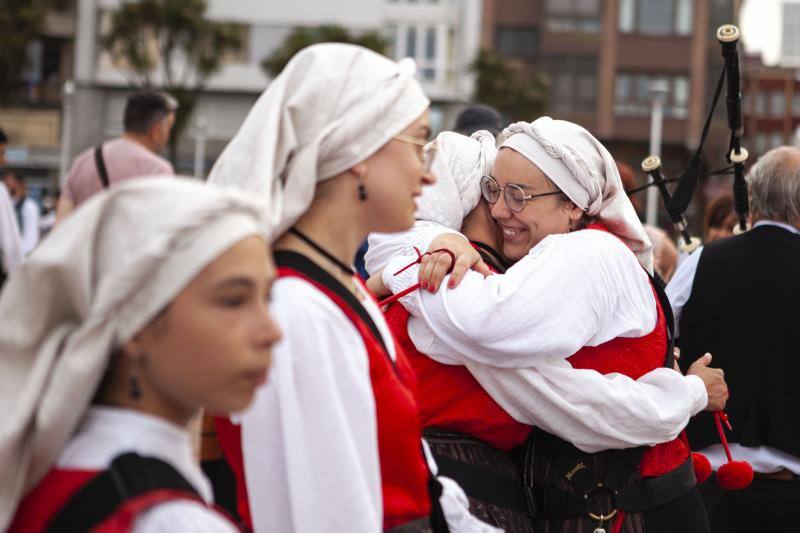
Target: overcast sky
<point x="760" y="22"/>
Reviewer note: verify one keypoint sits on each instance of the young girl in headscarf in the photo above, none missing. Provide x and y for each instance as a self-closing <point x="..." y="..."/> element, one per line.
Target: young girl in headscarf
<point x="333" y="443"/>
<point x="146" y="306"/>
<point x="579" y="297"/>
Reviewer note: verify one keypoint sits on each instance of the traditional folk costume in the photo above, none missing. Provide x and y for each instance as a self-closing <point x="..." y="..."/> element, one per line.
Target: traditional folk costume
<point x="583" y="295"/>
<point x="333" y="442"/>
<point x="95" y="282"/>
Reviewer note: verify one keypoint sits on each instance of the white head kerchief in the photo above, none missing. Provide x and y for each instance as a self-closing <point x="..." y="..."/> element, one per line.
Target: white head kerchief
<point x="333" y="106"/>
<point x="97" y="280"/>
<point x="584" y="170"/>
<point x="460" y="162"/>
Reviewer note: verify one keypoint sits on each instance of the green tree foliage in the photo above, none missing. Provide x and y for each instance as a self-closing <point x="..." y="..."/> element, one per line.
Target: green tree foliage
<point x="20" y="22"/>
<point x="174" y="39"/>
<point x="302" y="37"/>
<point x="504" y="87"/>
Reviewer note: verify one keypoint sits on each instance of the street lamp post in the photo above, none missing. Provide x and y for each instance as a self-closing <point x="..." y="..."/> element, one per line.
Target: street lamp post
<point x="658" y="93"/>
<point x="68" y="94"/>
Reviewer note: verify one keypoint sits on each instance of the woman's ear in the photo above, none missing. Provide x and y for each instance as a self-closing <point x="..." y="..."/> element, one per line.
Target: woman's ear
<point x="359" y="170"/>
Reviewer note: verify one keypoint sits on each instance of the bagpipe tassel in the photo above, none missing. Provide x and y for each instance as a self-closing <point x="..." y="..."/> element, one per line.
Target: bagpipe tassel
<point x="735" y="475"/>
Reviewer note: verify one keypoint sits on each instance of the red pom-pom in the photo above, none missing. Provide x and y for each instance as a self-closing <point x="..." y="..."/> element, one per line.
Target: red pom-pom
<point x="735" y="475"/>
<point x="702" y="467"/>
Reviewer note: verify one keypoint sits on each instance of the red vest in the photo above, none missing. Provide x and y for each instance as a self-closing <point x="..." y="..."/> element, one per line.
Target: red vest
<point x="451" y="399"/>
<point x="404" y="471"/>
<point x="42" y="504"/>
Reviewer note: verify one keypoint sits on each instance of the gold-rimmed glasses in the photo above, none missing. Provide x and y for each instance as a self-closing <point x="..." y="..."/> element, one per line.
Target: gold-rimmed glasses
<point x="428" y="149"/>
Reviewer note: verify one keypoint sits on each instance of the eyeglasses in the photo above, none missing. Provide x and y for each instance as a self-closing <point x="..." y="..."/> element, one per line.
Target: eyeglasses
<point x="515" y="196"/>
<point x="428" y="150"/>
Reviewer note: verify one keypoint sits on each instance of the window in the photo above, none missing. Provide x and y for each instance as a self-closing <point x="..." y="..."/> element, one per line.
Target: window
<point x="516" y="42"/>
<point x="573" y="16"/>
<point x="632" y="95"/>
<point x="656" y="17"/>
<point x="777" y="103"/>
<point x="797" y="102"/>
<point x="761" y="104"/>
<point x="775" y="140"/>
<point x="425" y="44"/>
<point x="573" y="84"/>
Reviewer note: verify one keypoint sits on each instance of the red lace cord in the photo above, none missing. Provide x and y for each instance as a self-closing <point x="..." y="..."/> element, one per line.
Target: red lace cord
<point x="417" y="261"/>
<point x="719" y="418"/>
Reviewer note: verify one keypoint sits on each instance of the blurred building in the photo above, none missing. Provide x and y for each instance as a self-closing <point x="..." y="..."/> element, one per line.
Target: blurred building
<point x="601" y="57"/>
<point x="772" y="105"/>
<point x="790" y="35"/>
<point x="442" y="35"/>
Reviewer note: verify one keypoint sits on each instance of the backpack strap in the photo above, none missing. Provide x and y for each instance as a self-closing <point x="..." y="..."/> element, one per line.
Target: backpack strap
<point x="101" y="165"/>
<point x="129" y="476"/>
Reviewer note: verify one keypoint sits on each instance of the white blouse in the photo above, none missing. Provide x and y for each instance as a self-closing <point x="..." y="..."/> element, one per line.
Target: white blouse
<point x="310" y="440"/>
<point x="107" y="432"/>
<point x="515" y="331"/>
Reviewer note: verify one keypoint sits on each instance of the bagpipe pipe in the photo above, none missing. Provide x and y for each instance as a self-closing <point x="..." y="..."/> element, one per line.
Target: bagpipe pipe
<point x="736" y="156"/>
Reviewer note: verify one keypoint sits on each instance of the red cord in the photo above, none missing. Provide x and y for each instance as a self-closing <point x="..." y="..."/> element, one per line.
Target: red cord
<point x="720" y="416"/>
<point x="618" y="523"/>
<point x="417" y="261"/>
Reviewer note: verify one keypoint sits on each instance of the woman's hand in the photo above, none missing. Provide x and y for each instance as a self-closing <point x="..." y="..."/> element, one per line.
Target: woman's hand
<point x="376" y="286"/>
<point x="434" y="267"/>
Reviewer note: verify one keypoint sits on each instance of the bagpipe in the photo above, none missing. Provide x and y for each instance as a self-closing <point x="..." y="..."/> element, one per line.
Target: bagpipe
<point x="734" y="475"/>
<point x="728" y="37"/>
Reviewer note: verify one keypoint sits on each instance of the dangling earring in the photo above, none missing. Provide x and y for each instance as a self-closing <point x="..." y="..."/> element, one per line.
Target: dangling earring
<point x="362" y="192"/>
<point x="134" y="388"/>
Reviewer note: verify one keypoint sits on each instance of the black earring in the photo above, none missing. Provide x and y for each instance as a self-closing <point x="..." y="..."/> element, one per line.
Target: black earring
<point x="134" y="390"/>
<point x="362" y="192"/>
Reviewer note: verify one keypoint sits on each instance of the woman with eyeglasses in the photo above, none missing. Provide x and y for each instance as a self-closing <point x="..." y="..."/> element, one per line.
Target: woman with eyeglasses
<point x="129" y="319"/>
<point x="579" y="297"/>
<point x="337" y="147"/>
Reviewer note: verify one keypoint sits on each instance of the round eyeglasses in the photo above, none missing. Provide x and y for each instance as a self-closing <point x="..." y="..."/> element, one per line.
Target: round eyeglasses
<point x="428" y="150"/>
<point x="514" y="195"/>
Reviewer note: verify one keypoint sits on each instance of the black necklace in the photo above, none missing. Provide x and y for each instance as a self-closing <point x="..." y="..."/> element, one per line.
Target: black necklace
<point x="345" y="268"/>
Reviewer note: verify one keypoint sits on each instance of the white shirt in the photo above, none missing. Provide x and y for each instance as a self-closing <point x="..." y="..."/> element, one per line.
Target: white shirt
<point x="107" y="432"/>
<point x="763" y="458"/>
<point x="10" y="245"/>
<point x="309" y="440"/>
<point x="30" y="226"/>
<point x="531" y="320"/>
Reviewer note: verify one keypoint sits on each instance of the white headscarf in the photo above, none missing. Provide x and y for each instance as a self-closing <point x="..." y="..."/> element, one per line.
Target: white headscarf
<point x="333" y="106"/>
<point x="460" y="162"/>
<point x="583" y="169"/>
<point x="97" y="280"/>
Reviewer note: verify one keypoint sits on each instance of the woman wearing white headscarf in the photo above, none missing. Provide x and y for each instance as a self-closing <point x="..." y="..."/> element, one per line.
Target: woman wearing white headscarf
<point x="127" y="320"/>
<point x="579" y="296"/>
<point x="333" y="443"/>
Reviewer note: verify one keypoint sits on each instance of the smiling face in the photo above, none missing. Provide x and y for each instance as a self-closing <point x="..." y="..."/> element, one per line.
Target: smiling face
<point x="212" y="347"/>
<point x="541" y="217"/>
<point x="394" y="179"/>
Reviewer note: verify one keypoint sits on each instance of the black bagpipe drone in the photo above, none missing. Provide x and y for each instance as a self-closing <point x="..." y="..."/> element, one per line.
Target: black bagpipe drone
<point x="728" y="36"/>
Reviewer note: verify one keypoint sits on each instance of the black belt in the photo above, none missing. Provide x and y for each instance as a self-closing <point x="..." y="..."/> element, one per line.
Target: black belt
<point x="419" y="525"/>
<point x="649" y="493"/>
<point x="484" y="484"/>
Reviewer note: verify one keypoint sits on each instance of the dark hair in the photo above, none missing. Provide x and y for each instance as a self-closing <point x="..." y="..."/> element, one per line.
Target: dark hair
<point x="628" y="177"/>
<point x="145" y="109"/>
<point x="719" y="214"/>
<point x="478" y="117"/>
<point x="3" y="138"/>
